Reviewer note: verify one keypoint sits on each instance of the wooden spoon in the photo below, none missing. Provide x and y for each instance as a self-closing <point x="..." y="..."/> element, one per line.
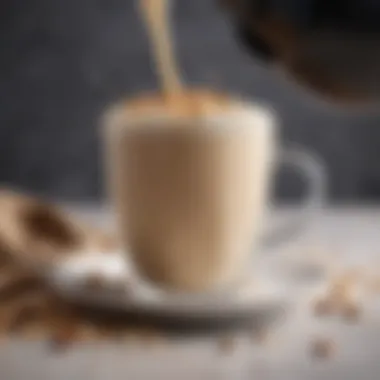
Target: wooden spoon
<point x="38" y="234"/>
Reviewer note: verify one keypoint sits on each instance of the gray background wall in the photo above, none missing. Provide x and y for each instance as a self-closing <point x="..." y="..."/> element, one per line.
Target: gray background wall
<point x="63" y="61"/>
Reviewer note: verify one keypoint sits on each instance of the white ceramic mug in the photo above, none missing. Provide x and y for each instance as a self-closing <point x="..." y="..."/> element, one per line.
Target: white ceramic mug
<point x="191" y="194"/>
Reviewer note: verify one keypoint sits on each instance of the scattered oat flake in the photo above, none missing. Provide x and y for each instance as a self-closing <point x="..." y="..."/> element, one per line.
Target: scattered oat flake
<point x="149" y="337"/>
<point x="323" y="307"/>
<point x="108" y="243"/>
<point x="63" y="337"/>
<point x="260" y="335"/>
<point x="339" y="289"/>
<point x="375" y="285"/>
<point x="22" y="315"/>
<point x="323" y="348"/>
<point x="227" y="344"/>
<point x="87" y="333"/>
<point x="351" y="312"/>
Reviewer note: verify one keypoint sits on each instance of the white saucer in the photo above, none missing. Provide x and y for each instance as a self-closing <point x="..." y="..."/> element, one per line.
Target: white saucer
<point x="77" y="278"/>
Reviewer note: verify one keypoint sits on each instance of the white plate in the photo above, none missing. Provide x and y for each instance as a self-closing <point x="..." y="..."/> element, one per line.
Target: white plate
<point x="122" y="289"/>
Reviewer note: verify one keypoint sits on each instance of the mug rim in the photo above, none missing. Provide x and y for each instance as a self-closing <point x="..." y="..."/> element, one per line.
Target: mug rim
<point x="260" y="114"/>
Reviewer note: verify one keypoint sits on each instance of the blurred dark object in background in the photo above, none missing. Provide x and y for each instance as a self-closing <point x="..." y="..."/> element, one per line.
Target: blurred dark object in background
<point x="63" y="61"/>
<point x="328" y="46"/>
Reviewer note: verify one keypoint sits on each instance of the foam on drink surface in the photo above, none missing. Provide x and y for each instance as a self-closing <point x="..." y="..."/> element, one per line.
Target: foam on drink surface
<point x="187" y="104"/>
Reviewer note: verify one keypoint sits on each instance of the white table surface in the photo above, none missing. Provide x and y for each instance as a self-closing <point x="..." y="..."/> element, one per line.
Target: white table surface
<point x="353" y="234"/>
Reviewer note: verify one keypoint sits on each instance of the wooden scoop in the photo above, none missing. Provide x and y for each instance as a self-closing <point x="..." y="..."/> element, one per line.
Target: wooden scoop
<point x="36" y="233"/>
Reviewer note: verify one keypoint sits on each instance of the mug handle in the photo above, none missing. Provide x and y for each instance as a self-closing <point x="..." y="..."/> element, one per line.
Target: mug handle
<point x="313" y="170"/>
